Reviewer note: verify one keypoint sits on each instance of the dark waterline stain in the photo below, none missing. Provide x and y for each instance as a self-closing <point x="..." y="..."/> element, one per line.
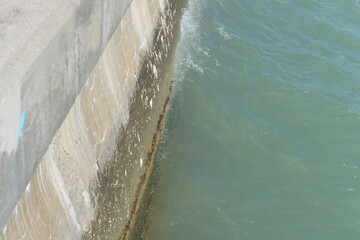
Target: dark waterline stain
<point x="106" y="193"/>
<point x="140" y="223"/>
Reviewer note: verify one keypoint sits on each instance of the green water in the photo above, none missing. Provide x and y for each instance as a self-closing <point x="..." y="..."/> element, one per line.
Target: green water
<point x="262" y="138"/>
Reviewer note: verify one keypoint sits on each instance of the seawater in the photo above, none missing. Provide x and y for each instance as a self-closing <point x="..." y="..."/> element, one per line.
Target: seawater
<point x="262" y="139"/>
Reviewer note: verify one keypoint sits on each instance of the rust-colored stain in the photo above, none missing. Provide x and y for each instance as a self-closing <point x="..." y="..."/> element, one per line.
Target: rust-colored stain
<point x="148" y="167"/>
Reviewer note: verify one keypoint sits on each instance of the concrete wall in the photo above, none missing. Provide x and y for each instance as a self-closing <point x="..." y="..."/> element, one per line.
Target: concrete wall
<point x="69" y="80"/>
<point x="48" y="49"/>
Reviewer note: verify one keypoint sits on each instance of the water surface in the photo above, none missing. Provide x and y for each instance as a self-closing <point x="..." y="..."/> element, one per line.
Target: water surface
<point x="262" y="139"/>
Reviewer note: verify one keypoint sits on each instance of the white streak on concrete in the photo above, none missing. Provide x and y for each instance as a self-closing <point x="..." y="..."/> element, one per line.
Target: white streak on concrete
<point x="155" y="71"/>
<point x="86" y="197"/>
<point x="61" y="192"/>
<point x="151" y="103"/>
<point x="28" y="187"/>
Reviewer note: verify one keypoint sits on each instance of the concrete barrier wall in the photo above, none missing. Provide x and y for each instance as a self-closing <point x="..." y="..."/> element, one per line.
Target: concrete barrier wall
<point x="48" y="49"/>
<point x="66" y="93"/>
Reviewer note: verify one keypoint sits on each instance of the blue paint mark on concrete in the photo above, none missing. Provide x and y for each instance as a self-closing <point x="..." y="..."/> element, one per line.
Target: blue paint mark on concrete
<point x="21" y="123"/>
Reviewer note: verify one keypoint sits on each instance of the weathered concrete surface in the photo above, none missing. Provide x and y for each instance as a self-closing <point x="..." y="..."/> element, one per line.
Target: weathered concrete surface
<point x="93" y="164"/>
<point x="140" y="139"/>
<point x="47" y="51"/>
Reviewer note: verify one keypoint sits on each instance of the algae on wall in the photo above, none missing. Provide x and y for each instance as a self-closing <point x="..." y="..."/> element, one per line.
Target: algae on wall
<point x="153" y="89"/>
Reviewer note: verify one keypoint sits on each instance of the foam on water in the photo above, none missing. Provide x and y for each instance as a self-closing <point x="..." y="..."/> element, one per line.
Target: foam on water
<point x="190" y="36"/>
